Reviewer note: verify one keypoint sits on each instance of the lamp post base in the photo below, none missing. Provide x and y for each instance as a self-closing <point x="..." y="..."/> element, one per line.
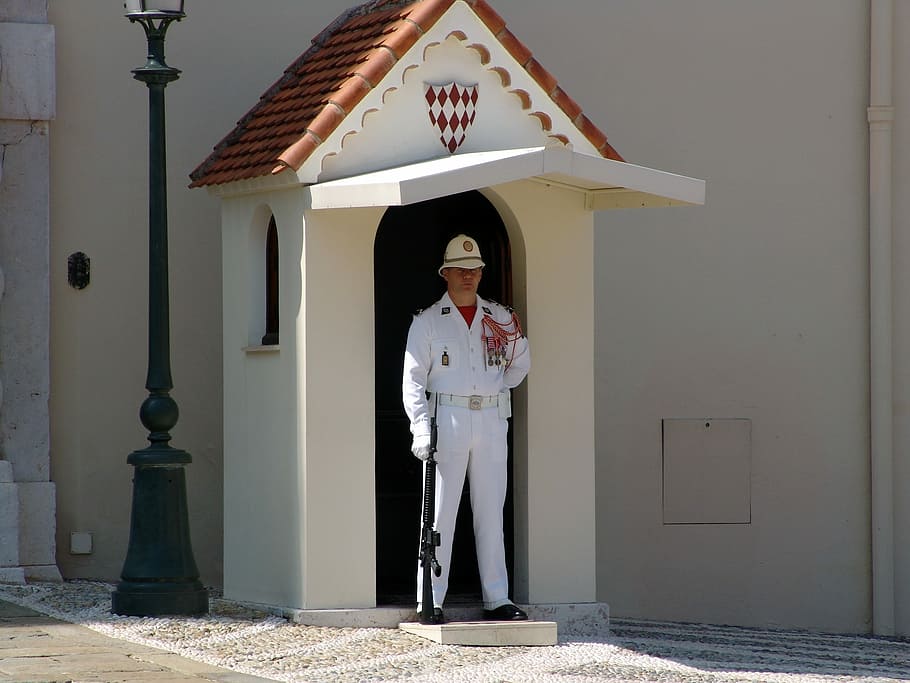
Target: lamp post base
<point x="159" y="575"/>
<point x="135" y="599"/>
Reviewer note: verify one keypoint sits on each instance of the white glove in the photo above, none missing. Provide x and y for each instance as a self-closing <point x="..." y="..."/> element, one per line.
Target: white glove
<point x="420" y="446"/>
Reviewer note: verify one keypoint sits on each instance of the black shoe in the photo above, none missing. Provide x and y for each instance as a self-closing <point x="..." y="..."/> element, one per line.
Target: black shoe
<point x="435" y="618"/>
<point x="505" y="613"/>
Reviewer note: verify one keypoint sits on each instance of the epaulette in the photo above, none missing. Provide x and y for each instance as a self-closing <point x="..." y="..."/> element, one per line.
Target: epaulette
<point x="424" y="309"/>
<point x="508" y="308"/>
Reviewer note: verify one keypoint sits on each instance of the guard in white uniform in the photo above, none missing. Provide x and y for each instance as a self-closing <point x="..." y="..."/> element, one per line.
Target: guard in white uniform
<point x="467" y="354"/>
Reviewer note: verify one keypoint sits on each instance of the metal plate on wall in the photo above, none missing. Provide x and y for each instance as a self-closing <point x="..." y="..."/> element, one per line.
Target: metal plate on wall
<point x="707" y="467"/>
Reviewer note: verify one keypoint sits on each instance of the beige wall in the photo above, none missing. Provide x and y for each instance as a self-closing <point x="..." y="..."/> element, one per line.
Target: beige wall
<point x="754" y="306"/>
<point x="263" y="511"/>
<point x="902" y="315"/>
<point x="337" y="381"/>
<point x="99" y="206"/>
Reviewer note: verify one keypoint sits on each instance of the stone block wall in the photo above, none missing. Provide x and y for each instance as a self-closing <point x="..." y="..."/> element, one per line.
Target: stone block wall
<point x="27" y="104"/>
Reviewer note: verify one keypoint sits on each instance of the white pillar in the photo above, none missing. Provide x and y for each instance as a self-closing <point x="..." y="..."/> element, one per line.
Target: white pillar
<point x="552" y="237"/>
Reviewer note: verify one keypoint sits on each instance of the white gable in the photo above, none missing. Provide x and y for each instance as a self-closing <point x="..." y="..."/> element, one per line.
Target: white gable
<point x="391" y="125"/>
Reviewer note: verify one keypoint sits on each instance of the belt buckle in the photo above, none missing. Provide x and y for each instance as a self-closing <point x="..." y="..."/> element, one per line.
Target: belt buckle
<point x="475" y="402"/>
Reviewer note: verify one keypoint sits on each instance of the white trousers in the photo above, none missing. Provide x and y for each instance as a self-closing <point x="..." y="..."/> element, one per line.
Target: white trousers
<point x="472" y="443"/>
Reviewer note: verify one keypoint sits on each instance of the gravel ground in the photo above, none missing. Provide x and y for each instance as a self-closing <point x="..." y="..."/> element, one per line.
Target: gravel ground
<point x="260" y="644"/>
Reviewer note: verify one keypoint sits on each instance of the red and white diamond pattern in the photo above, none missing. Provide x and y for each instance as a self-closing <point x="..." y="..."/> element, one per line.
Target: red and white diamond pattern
<point x="452" y="110"/>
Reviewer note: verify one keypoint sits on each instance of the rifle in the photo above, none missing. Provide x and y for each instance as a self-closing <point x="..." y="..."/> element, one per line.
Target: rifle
<point x="429" y="538"/>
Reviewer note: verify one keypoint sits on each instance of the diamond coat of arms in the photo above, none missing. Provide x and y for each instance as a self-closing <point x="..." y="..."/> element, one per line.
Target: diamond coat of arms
<point x="452" y="109"/>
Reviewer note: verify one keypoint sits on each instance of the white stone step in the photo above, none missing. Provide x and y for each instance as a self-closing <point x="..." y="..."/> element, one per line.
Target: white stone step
<point x="490" y="633"/>
<point x="581" y="618"/>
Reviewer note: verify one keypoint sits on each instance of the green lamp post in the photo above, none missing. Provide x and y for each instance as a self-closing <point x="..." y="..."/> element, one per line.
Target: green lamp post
<point x="159" y="575"/>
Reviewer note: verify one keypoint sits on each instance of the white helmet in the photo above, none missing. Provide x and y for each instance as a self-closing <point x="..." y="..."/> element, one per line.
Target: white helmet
<point x="462" y="252"/>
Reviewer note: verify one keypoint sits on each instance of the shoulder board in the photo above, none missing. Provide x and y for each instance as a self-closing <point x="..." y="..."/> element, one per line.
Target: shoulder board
<point x="496" y="303"/>
<point x="424" y="309"/>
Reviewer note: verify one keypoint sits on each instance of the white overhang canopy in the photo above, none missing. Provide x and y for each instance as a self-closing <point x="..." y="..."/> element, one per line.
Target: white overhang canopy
<point x="606" y="184"/>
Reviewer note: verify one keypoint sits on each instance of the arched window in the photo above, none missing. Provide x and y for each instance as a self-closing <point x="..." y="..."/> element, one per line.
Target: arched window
<point x="271" y="285"/>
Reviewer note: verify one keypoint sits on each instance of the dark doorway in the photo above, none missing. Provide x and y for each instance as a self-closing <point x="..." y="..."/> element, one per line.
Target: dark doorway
<point x="408" y="251"/>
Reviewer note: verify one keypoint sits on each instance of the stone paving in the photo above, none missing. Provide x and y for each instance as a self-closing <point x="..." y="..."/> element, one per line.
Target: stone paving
<point x="35" y="647"/>
<point x="239" y="645"/>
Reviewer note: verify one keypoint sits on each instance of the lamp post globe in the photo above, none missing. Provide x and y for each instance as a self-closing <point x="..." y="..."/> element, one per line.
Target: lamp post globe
<point x="159" y="575"/>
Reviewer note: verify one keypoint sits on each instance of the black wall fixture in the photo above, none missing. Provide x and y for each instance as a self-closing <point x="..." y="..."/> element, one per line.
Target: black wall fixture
<point x="78" y="270"/>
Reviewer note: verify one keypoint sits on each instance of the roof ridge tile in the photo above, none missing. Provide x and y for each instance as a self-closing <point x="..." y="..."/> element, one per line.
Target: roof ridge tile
<point x="487" y="15"/>
<point x="425" y="13"/>
<point x="403" y="38"/>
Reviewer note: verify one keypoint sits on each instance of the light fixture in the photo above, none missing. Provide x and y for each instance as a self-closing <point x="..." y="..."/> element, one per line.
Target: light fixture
<point x="154" y="9"/>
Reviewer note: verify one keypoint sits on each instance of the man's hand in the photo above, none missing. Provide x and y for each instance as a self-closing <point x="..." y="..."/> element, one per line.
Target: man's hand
<point x="420" y="446"/>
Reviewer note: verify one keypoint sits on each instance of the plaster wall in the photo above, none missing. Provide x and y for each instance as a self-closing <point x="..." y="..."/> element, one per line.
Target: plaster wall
<point x="554" y="424"/>
<point x="98" y="205"/>
<point x="299" y="457"/>
<point x="901" y="262"/>
<point x="263" y="507"/>
<point x="340" y="397"/>
<point x="754" y="306"/>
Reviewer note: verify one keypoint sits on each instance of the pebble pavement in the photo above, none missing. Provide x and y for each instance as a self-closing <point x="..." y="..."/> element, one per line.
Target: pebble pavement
<point x="256" y="643"/>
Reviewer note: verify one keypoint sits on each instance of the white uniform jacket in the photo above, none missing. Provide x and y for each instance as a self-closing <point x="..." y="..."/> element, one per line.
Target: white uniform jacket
<point x="444" y="356"/>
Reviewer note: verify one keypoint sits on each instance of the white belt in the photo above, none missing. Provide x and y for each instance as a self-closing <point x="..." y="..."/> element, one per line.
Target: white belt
<point x="474" y="402"/>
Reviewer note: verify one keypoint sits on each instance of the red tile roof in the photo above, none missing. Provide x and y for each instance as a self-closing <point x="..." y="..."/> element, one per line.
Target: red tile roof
<point x="344" y="62"/>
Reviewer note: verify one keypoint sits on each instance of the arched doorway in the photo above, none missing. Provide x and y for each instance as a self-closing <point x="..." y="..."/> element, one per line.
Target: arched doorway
<point x="407" y="252"/>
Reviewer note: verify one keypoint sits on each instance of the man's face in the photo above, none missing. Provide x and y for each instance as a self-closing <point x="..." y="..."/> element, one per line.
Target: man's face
<point x="462" y="280"/>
